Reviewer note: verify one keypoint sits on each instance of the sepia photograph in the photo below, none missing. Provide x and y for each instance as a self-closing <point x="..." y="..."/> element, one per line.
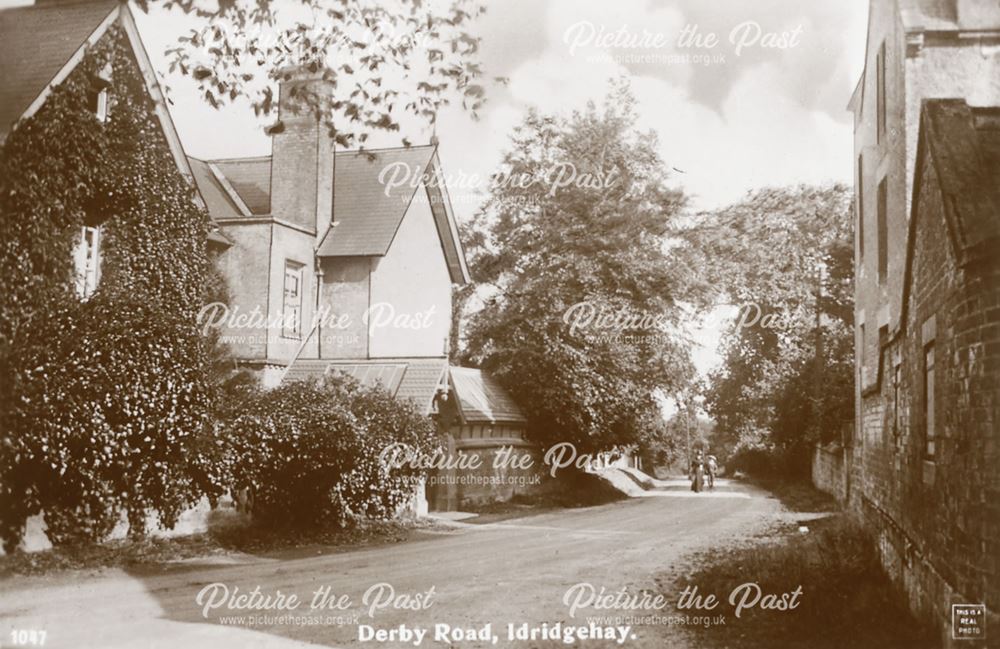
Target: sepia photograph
<point x="654" y="324"/>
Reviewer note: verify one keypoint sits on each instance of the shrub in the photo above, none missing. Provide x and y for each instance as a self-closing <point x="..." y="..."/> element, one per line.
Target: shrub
<point x="370" y="489"/>
<point x="310" y="450"/>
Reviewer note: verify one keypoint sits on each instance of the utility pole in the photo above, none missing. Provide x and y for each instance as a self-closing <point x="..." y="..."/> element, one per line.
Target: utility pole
<point x="687" y="429"/>
<point x="818" y="350"/>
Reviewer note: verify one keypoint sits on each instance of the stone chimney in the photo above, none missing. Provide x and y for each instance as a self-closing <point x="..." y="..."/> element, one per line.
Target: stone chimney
<point x="302" y="152"/>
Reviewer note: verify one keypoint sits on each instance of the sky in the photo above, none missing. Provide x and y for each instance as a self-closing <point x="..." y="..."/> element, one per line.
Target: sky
<point x="766" y="105"/>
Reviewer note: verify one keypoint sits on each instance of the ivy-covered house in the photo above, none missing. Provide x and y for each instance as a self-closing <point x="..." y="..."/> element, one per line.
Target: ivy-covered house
<point x="105" y="264"/>
<point x="40" y="46"/>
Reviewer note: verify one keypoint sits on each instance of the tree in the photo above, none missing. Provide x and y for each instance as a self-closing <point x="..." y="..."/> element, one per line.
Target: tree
<point x="383" y="60"/>
<point x="580" y="292"/>
<point x="784" y="256"/>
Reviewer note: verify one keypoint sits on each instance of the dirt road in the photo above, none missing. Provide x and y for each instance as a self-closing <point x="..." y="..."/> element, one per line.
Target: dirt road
<point x="513" y="572"/>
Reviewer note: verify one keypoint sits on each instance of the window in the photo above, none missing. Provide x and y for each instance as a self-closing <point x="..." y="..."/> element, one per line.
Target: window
<point x="896" y="379"/>
<point x="98" y="103"/>
<point x="87" y="261"/>
<point x="883" y="232"/>
<point x="930" y="435"/>
<point x="860" y="198"/>
<point x="880" y="91"/>
<point x="292" y="307"/>
<point x="861" y="349"/>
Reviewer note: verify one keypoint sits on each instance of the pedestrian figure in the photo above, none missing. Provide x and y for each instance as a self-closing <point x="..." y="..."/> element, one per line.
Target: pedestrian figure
<point x="713" y="467"/>
<point x="697" y="473"/>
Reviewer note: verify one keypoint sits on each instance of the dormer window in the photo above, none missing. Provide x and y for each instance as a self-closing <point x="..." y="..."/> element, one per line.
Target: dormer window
<point x="87" y="261"/>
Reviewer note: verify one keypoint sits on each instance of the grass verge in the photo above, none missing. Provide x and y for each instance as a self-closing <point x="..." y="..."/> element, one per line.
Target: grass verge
<point x="229" y="534"/>
<point x="846" y="599"/>
<point x="797" y="496"/>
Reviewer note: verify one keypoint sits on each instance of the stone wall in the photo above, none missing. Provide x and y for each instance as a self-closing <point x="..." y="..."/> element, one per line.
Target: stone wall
<point x="828" y="470"/>
<point x="492" y="480"/>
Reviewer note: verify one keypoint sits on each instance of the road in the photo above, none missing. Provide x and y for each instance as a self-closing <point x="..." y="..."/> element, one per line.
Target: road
<point x="515" y="571"/>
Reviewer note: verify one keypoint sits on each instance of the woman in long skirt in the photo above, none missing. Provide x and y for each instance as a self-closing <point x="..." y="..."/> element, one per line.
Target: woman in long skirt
<point x="698" y="473"/>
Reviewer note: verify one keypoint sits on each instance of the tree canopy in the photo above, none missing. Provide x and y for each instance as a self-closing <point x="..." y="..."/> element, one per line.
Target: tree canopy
<point x="784" y="256"/>
<point x="384" y="61"/>
<point x="580" y="286"/>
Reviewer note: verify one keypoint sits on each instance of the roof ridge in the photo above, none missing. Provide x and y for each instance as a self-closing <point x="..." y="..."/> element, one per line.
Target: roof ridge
<point x="338" y="152"/>
<point x="256" y="158"/>
<point x="412" y="147"/>
<point x="382" y="359"/>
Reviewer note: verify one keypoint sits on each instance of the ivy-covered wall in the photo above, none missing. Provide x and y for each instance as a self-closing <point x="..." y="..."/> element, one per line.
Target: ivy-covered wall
<point x="103" y="402"/>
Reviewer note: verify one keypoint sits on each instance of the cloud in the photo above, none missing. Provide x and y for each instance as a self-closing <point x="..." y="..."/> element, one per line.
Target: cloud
<point x="778" y="116"/>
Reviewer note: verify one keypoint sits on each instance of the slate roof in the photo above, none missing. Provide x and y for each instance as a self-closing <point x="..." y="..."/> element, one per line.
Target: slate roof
<point x="483" y="399"/>
<point x="217" y="200"/>
<point x="369" y="213"/>
<point x="964" y="148"/>
<point x="35" y="43"/>
<point x="251" y="178"/>
<point x="404" y="378"/>
<point x="389" y="375"/>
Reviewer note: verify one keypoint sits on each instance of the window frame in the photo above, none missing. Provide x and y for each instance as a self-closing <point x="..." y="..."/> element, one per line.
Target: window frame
<point x="292" y="327"/>
<point x="880" y="93"/>
<point x="861" y="209"/>
<point x="102" y="106"/>
<point x="897" y="386"/>
<point x="883" y="230"/>
<point x="87" y="276"/>
<point x="861" y="351"/>
<point x="929" y="415"/>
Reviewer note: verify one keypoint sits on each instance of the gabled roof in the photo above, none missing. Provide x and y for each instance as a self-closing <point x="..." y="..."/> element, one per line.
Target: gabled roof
<point x="483" y="399"/>
<point x="963" y="147"/>
<point x="405" y="378"/>
<point x="41" y="44"/>
<point x="367" y="210"/>
<point x="962" y="144"/>
<point x="36" y="42"/>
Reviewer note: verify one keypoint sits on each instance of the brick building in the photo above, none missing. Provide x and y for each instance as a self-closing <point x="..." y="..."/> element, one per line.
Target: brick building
<point x="921" y="468"/>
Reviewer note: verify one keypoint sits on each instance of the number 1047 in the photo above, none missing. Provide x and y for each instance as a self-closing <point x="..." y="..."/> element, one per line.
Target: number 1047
<point x="27" y="637"/>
